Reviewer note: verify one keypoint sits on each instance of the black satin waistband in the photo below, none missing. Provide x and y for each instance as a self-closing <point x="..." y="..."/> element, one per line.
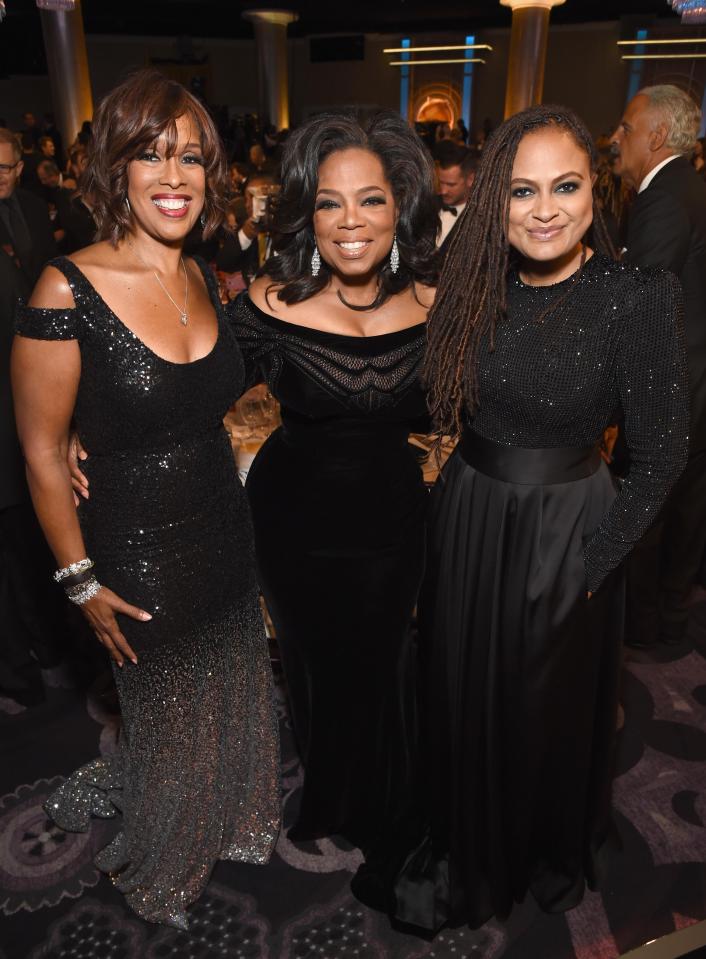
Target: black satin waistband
<point x="515" y="464"/>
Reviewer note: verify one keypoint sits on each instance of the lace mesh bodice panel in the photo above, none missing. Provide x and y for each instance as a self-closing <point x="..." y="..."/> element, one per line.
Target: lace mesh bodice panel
<point x="319" y="375"/>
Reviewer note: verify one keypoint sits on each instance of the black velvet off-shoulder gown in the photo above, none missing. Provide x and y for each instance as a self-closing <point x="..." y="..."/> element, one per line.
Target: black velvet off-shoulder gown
<point x="520" y="669"/>
<point x="338" y="507"/>
<point x="167" y="524"/>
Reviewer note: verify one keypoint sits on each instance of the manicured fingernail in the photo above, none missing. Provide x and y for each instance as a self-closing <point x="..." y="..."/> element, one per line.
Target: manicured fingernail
<point x="120" y="665"/>
<point x="134" y="662"/>
<point x="145" y="615"/>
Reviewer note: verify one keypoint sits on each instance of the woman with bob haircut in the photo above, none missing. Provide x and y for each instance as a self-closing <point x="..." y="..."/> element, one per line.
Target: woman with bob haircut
<point x="534" y="341"/>
<point x="129" y="339"/>
<point x="336" y="326"/>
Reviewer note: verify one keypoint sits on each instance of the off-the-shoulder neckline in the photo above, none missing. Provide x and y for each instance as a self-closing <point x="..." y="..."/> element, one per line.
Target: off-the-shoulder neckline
<point x="332" y="334"/>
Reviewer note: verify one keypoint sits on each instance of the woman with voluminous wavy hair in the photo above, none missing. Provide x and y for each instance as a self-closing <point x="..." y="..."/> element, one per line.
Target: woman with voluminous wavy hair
<point x="336" y="326"/>
<point x="127" y="338"/>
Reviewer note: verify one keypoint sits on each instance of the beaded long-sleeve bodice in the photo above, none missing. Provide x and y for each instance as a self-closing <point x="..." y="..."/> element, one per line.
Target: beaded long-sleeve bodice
<point x="615" y="343"/>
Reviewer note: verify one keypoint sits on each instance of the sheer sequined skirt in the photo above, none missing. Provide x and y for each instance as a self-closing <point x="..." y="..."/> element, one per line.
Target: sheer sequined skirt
<point x="196" y="773"/>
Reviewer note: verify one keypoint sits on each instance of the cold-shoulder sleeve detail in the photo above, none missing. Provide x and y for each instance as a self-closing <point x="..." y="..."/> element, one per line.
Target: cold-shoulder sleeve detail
<point x="47" y="324"/>
<point x="653" y="385"/>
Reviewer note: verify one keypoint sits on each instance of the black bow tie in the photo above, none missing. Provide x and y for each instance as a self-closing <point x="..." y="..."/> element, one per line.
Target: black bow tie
<point x="449" y="209"/>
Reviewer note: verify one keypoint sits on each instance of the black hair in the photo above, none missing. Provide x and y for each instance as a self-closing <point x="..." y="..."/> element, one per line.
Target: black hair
<point x="408" y="168"/>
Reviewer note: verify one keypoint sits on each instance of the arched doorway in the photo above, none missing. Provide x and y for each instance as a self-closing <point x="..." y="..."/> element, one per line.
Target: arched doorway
<point x="437" y="103"/>
<point x="436" y="110"/>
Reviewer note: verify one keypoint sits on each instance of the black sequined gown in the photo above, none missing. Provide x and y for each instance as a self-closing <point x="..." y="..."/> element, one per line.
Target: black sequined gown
<point x="520" y="668"/>
<point x="338" y="506"/>
<point x="168" y="527"/>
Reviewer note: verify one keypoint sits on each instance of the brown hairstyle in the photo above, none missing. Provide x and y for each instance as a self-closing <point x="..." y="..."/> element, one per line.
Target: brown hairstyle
<point x="128" y="121"/>
<point x="470" y="297"/>
<point x="7" y="136"/>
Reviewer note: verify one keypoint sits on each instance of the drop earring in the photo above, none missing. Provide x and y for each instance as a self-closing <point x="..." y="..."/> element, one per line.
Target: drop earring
<point x="202" y="219"/>
<point x="127" y="204"/>
<point x="315" y="261"/>
<point x="394" y="256"/>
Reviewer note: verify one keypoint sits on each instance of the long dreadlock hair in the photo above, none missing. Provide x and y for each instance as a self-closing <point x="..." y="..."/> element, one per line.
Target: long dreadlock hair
<point x="471" y="295"/>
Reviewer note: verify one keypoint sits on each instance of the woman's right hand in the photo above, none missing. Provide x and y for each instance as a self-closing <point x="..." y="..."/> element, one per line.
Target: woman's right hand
<point x="100" y="612"/>
<point x="79" y="480"/>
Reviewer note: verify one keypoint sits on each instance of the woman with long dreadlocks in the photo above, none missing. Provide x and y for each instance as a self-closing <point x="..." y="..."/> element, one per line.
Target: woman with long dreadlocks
<point x="534" y="340"/>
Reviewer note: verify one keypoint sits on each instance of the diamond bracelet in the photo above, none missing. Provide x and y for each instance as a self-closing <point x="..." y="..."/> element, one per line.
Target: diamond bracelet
<point x="84" y="591"/>
<point x="78" y="567"/>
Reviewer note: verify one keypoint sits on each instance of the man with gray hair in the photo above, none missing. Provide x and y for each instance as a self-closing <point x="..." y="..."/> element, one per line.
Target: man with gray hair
<point x="667" y="229"/>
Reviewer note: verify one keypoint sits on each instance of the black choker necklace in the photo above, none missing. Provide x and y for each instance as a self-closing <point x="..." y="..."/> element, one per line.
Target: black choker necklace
<point x="353" y="306"/>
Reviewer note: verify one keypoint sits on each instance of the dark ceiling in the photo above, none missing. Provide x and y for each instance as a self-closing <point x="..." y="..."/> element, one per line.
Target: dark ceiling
<point x="21" y="45"/>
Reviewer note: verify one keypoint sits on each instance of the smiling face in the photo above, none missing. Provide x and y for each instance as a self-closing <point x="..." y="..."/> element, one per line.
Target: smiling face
<point x="551" y="196"/>
<point x="355" y="212"/>
<point x="167" y="193"/>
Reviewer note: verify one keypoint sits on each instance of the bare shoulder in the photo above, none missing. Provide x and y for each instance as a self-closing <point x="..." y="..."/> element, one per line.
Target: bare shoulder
<point x="425" y="295"/>
<point x="52" y="291"/>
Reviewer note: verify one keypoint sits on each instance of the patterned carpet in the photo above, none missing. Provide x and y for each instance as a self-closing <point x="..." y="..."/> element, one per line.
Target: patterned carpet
<point x="55" y="905"/>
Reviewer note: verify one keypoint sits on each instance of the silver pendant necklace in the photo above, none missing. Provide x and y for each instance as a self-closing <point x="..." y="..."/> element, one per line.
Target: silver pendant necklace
<point x="183" y="314"/>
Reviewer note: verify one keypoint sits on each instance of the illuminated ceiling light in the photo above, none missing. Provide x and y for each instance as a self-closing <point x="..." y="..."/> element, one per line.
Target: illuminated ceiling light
<point x="521" y="4"/>
<point x="664" y="56"/>
<point x="635" y="43"/>
<point x="462" y="46"/>
<point x="60" y="5"/>
<point x="691" y="11"/>
<point x="424" y="63"/>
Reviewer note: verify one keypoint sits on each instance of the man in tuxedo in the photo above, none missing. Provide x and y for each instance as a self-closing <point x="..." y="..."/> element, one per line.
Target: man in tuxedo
<point x="456" y="170"/>
<point x="25" y="228"/>
<point x="667" y="229"/>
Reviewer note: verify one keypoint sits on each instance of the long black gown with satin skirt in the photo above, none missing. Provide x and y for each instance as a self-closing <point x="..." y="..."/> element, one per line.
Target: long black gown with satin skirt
<point x="338" y="506"/>
<point x="520" y="668"/>
<point x="196" y="776"/>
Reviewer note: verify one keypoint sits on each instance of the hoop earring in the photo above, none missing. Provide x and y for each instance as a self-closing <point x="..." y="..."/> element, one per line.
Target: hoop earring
<point x="315" y="261"/>
<point x="127" y="204"/>
<point x="394" y="256"/>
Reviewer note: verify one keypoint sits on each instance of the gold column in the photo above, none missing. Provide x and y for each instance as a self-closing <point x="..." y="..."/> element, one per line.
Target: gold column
<point x="273" y="76"/>
<point x="528" y="52"/>
<point x="70" y="82"/>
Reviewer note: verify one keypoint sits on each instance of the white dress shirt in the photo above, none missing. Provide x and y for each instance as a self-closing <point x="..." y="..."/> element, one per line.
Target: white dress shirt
<point x="447" y="221"/>
<point x="653" y="173"/>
